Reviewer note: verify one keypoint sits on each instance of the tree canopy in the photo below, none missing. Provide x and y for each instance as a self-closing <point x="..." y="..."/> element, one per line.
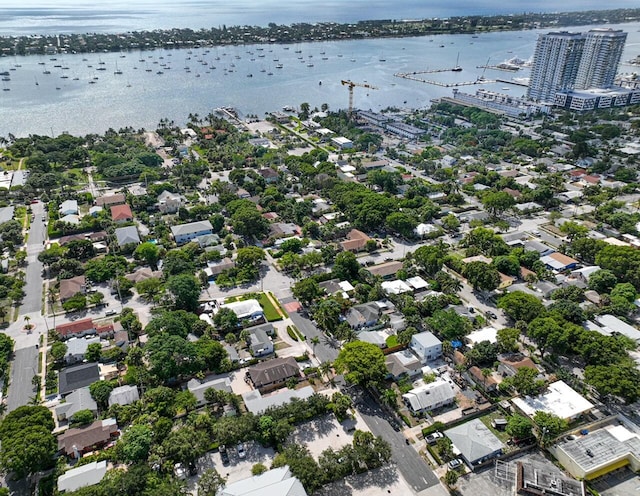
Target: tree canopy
<point x="362" y="363"/>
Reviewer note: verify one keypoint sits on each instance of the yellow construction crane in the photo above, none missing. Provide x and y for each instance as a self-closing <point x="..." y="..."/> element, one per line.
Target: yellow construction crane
<point x="351" y="85"/>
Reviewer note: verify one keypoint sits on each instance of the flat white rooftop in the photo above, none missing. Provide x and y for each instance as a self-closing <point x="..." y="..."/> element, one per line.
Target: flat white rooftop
<point x="559" y="399"/>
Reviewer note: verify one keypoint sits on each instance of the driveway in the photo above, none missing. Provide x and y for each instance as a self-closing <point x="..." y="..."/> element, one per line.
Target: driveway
<point x="411" y="465"/>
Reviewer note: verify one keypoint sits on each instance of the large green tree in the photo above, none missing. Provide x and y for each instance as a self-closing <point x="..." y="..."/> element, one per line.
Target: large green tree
<point x="185" y="289"/>
<point x="449" y="324"/>
<point x="362" y="363"/>
<point x="521" y="306"/>
<point x="27" y="443"/>
<point x="482" y="276"/>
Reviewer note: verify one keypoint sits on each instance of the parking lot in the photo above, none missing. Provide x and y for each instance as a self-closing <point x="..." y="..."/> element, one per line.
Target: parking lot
<point x="237" y="468"/>
<point x="380" y="482"/>
<point x="622" y="482"/>
<point x="326" y="432"/>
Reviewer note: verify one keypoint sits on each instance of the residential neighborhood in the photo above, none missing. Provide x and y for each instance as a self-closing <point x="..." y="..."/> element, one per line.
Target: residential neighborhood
<point x="446" y="302"/>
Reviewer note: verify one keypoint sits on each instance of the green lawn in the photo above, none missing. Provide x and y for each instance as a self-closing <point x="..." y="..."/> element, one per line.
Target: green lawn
<point x="270" y="312"/>
<point x="392" y="341"/>
<point x="486" y="420"/>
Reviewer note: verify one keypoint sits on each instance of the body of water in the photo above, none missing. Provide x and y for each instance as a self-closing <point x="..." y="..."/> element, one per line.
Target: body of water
<point x="90" y="93"/>
<point x="19" y="17"/>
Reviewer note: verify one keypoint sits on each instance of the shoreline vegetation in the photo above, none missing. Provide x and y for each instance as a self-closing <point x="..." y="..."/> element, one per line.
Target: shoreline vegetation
<point x="303" y="32"/>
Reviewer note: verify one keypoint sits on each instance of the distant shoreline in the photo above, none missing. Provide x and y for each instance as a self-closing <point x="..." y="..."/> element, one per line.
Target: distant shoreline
<point x="304" y="32"/>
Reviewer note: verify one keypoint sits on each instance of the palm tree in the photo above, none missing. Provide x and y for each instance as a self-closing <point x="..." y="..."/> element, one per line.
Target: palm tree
<point x="325" y="368"/>
<point x="27" y="320"/>
<point x="52" y="295"/>
<point x="315" y="340"/>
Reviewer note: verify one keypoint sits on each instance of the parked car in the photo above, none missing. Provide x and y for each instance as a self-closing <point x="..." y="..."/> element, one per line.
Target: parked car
<point x="453" y="464"/>
<point x="110" y="313"/>
<point x="433" y="437"/>
<point x="241" y="451"/>
<point x="223" y="454"/>
<point x="491" y="315"/>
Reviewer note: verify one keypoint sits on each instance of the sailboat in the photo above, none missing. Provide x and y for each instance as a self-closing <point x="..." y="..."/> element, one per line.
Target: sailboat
<point x="36" y="80"/>
<point x="117" y="71"/>
<point x="457" y="68"/>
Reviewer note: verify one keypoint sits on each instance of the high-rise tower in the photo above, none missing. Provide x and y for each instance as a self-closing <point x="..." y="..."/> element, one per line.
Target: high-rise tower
<point x="600" y="58"/>
<point x="555" y="64"/>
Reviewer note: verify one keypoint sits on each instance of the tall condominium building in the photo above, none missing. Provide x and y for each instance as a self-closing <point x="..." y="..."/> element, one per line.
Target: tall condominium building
<point x="600" y="58"/>
<point x="555" y="64"/>
<point x="565" y="61"/>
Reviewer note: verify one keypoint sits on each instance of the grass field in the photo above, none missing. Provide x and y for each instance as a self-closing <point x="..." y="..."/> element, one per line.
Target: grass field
<point x="270" y="311"/>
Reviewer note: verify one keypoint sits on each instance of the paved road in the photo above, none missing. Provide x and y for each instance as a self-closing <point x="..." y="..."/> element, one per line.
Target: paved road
<point x="25" y="362"/>
<point x="32" y="301"/>
<point x="411" y="465"/>
<point x="325" y="350"/>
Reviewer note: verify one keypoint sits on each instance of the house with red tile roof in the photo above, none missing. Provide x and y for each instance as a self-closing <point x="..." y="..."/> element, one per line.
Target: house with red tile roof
<point x="121" y="213"/>
<point x="76" y="328"/>
<point x="355" y="242"/>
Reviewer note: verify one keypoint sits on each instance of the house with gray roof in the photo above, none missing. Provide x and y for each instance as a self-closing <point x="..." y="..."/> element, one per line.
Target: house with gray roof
<point x="402" y="363"/>
<point x="260" y="343"/>
<point x="426" y="346"/>
<point x="77" y="347"/>
<point x="198" y="388"/>
<point x="6" y="214"/>
<point x="429" y="397"/>
<point x="257" y="404"/>
<point x="273" y="372"/>
<point x="542" y="249"/>
<point x="86" y="475"/>
<point x="475" y="442"/>
<point x="274" y="482"/>
<point x="364" y="315"/>
<point x="184" y="233"/>
<point x="124" y="395"/>
<point x="78" y="376"/>
<point x="127" y="235"/>
<point x="78" y="400"/>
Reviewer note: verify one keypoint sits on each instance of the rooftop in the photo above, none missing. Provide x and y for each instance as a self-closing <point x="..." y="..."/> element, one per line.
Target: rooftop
<point x="602" y="447"/>
<point x="559" y="399"/>
<point x="474" y="440"/>
<point x="256" y="403"/>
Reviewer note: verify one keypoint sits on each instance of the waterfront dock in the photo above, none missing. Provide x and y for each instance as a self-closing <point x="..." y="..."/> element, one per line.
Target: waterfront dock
<point x="412" y="77"/>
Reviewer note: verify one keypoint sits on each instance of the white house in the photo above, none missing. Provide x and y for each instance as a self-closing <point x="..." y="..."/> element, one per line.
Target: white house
<point x="426" y="346"/>
<point x="77" y="347"/>
<point x="559" y="399"/>
<point x="246" y="309"/>
<point x="342" y="142"/>
<point x="68" y="207"/>
<point x="184" y="233"/>
<point x="430" y="396"/>
<point x="169" y="203"/>
<point x="86" y="475"/>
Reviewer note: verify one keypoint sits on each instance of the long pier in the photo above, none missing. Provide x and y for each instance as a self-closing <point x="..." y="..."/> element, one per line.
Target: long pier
<point x="511" y="81"/>
<point x="412" y="77"/>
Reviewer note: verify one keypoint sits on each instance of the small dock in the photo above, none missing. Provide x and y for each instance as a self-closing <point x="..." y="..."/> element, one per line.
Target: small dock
<point x="504" y="68"/>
